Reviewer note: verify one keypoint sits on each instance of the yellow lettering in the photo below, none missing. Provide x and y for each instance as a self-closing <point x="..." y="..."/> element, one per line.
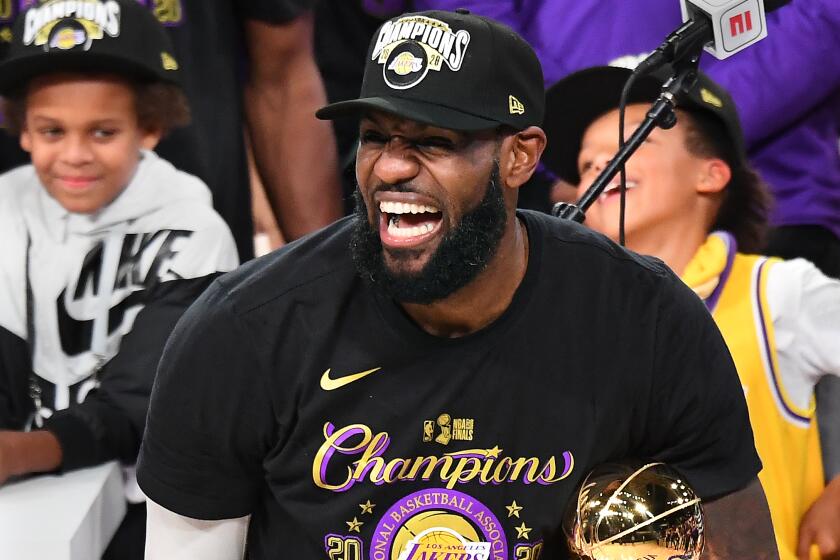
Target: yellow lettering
<point x="502" y="472"/>
<point x="465" y="470"/>
<point x="333" y="442"/>
<point x="519" y="464"/>
<point x="430" y="464"/>
<point x="168" y="11"/>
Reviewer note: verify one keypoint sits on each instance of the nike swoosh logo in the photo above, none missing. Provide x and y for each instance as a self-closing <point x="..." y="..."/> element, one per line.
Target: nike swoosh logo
<point x="329" y="384"/>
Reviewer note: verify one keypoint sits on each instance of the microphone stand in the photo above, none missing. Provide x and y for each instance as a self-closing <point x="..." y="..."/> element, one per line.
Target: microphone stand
<point x="661" y="114"/>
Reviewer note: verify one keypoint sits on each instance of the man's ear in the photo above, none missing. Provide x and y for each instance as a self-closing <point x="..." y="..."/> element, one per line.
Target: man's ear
<point x="523" y="154"/>
<point x="715" y="175"/>
<point x="151" y="138"/>
<point x="25" y="140"/>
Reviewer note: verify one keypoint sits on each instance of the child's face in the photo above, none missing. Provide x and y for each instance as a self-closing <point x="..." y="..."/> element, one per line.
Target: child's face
<point x="662" y="176"/>
<point x="84" y="138"/>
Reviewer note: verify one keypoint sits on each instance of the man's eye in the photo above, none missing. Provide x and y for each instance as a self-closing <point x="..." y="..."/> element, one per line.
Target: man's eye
<point x="51" y="132"/>
<point x="584" y="167"/>
<point x="102" y="133"/>
<point x="372" y="137"/>
<point x="436" y="142"/>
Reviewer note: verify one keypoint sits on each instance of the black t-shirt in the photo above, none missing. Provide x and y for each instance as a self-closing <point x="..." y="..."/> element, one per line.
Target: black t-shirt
<point x="295" y="392"/>
<point x="208" y="42"/>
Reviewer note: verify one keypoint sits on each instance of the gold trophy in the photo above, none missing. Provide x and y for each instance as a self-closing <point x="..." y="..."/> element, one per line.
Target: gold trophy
<point x="635" y="511"/>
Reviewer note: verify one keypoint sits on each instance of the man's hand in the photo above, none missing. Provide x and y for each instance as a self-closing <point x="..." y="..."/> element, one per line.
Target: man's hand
<point x="738" y="526"/>
<point x="28" y="452"/>
<point x="821" y="525"/>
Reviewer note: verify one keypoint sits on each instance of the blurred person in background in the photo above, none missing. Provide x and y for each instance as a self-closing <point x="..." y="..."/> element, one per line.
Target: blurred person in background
<point x="694" y="202"/>
<point x="105" y="244"/>
<point x="244" y="64"/>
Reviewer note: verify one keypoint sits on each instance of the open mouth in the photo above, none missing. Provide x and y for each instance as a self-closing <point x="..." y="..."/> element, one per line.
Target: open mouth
<point x="613" y="189"/>
<point x="407" y="223"/>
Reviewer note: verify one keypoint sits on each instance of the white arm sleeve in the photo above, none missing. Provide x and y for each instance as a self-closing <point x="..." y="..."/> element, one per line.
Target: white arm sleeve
<point x="170" y="535"/>
<point x="805" y="307"/>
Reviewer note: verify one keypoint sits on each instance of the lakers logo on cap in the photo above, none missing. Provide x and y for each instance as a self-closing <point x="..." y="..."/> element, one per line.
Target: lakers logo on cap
<point x="405" y="63"/>
<point x="515" y="106"/>
<point x="65" y="24"/>
<point x="67" y="36"/>
<point x="410" y="46"/>
<point x="406" y="66"/>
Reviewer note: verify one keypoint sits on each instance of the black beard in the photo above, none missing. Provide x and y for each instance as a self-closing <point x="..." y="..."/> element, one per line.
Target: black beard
<point x="462" y="254"/>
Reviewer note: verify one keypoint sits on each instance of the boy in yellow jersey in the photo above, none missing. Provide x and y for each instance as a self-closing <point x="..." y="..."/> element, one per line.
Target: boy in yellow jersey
<point x="693" y="201"/>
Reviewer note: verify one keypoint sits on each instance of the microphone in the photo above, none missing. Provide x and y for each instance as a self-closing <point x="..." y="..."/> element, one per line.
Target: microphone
<point x="721" y="27"/>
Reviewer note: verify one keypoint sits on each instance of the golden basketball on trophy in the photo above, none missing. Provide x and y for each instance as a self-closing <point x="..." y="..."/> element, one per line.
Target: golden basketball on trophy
<point x="633" y="510"/>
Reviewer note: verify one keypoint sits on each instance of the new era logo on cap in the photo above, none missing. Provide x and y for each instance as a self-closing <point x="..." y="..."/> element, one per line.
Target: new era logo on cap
<point x="168" y="62"/>
<point x="515" y="106"/>
<point x="710" y="98"/>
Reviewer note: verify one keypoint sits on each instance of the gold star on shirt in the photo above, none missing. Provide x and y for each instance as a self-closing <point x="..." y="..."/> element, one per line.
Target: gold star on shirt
<point x="367" y="507"/>
<point x="513" y="509"/>
<point x="354" y="525"/>
<point x="493" y="453"/>
<point x="522" y="532"/>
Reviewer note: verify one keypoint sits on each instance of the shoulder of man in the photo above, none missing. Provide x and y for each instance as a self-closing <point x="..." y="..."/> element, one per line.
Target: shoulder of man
<point x="320" y="260"/>
<point x="570" y="240"/>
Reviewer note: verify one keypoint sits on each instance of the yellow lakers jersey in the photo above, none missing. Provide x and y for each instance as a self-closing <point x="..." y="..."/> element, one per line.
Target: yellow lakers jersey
<point x="786" y="436"/>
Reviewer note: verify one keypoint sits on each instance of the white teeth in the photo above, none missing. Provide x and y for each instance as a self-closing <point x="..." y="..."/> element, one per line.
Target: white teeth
<point x="408" y="232"/>
<point x="615" y="187"/>
<point x="406" y="208"/>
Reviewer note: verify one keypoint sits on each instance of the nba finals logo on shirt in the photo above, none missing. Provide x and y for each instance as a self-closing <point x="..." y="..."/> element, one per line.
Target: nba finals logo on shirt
<point x="457" y="429"/>
<point x="407" y="48"/>
<point x="66" y="24"/>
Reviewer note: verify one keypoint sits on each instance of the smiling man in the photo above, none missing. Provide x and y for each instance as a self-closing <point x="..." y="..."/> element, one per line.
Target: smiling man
<point x="435" y="375"/>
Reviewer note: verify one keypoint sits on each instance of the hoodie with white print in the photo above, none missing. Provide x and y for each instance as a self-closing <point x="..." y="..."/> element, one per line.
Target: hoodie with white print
<point x="87" y="302"/>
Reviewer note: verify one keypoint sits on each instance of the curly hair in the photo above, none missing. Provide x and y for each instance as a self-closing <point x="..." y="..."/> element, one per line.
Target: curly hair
<point x="159" y="105"/>
<point x="747" y="201"/>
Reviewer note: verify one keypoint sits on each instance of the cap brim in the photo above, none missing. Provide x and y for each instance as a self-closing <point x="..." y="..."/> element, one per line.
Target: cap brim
<point x="420" y="111"/>
<point x="17" y="72"/>
<point x="573" y="103"/>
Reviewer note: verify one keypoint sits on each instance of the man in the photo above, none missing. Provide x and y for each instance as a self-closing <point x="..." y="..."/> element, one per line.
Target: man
<point x="448" y="381"/>
<point x="786" y="87"/>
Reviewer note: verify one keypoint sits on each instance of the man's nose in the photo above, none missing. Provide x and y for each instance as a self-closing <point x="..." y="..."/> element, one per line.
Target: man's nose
<point x="76" y="150"/>
<point x="601" y="161"/>
<point x="397" y="163"/>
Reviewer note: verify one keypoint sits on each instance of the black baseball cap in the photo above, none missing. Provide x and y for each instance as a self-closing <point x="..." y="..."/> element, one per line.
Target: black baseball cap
<point x="113" y="36"/>
<point x="454" y="70"/>
<point x="575" y="102"/>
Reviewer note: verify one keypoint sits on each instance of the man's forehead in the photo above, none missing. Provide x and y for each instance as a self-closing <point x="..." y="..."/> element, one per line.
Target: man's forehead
<point x="400" y="123"/>
<point x="396" y="124"/>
